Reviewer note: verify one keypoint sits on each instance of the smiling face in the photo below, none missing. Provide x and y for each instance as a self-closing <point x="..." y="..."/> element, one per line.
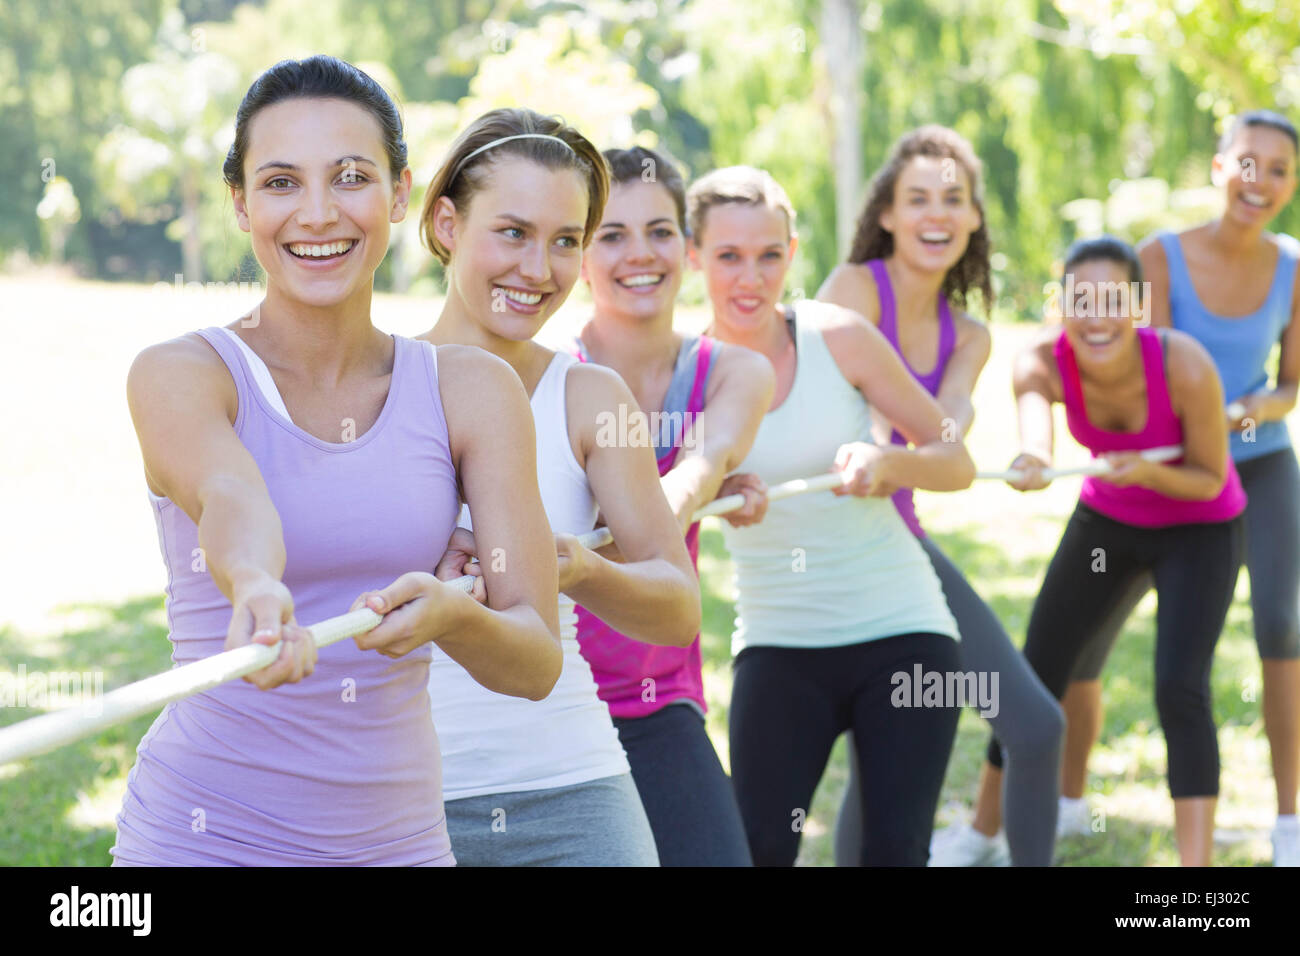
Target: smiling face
<point x="318" y="199"/>
<point x="517" y="250"/>
<point x="1099" y="314"/>
<point x="1257" y="175"/>
<point x="933" y="213"/>
<point x="744" y="251"/>
<point x="634" y="266"/>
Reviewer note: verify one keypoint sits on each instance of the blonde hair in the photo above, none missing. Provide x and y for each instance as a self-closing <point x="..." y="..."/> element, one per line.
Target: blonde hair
<point x="735" y="184"/>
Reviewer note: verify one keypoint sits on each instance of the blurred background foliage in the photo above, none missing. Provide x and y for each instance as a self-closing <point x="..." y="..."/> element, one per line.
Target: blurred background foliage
<point x="115" y="115"/>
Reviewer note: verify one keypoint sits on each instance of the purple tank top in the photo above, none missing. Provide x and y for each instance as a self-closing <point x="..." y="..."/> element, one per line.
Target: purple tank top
<point x="902" y="498"/>
<point x="342" y="768"/>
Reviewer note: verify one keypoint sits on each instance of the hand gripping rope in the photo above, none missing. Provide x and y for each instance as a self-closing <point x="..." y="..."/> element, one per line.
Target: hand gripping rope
<point x="1097" y="466"/>
<point x="47" y="732"/>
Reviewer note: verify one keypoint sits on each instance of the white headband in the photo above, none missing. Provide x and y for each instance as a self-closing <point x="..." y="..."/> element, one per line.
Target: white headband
<point x="506" y="139"/>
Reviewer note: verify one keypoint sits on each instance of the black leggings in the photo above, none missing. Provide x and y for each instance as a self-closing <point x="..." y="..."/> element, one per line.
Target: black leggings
<point x="1194" y="567"/>
<point x="1272" y="554"/>
<point x="1027" y="721"/>
<point x="687" y="796"/>
<point x="788" y="705"/>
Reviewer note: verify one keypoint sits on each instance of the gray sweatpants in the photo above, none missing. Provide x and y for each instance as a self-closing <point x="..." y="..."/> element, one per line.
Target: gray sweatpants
<point x="597" y="823"/>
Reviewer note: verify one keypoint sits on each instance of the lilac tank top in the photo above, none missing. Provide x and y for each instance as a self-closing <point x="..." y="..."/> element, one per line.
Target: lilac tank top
<point x="1134" y="504"/>
<point x="902" y="498"/>
<point x="343" y="767"/>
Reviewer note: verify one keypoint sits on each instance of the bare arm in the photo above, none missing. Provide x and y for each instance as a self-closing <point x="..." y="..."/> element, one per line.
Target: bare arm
<point x="183" y="403"/>
<point x="1155" y="270"/>
<point x="721" y="435"/>
<point x="1034" y="381"/>
<point x="1274" y="404"/>
<point x="974" y="344"/>
<point x="511" y="644"/>
<point x="1266" y="405"/>
<point x="654" y="596"/>
<point x="853" y="287"/>
<point x="1197" y="398"/>
<point x="869" y="362"/>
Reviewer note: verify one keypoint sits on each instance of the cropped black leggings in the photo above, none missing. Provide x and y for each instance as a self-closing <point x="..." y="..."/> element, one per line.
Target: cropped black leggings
<point x="1094" y="569"/>
<point x="788" y="705"/>
<point x="1272" y="556"/>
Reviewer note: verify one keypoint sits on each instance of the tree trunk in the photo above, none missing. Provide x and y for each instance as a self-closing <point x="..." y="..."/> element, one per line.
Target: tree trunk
<point x="191" y="245"/>
<point x="842" y="46"/>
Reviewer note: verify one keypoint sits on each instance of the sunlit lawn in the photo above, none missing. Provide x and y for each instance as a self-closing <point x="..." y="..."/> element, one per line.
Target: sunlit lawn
<point x="83" y="581"/>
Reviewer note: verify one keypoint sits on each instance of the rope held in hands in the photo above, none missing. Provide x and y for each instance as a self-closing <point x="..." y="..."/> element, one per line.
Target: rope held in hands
<point x="39" y="735"/>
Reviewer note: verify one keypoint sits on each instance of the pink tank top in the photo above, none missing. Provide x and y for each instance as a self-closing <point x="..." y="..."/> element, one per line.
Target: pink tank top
<point x="342" y="768"/>
<point x="634" y="678"/>
<point x="1136" y="505"/>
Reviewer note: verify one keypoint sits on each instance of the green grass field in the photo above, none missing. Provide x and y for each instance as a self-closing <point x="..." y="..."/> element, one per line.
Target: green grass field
<point x="83" y="580"/>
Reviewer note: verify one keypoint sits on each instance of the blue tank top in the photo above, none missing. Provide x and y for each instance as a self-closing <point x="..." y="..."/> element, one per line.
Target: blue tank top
<point x="1240" y="346"/>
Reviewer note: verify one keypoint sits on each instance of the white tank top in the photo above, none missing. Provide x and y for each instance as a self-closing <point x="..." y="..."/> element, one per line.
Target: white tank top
<point x="821" y="570"/>
<point x="492" y="743"/>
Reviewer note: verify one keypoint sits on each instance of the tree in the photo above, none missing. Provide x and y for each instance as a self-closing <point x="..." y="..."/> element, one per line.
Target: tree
<point x="59" y="68"/>
<point x="59" y="211"/>
<point x="175" y="106"/>
<point x="554" y="68"/>
<point x="843" y="65"/>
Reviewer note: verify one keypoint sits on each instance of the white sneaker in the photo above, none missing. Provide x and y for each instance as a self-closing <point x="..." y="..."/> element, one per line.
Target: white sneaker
<point x="963" y="845"/>
<point x="1286" y="846"/>
<point x="1073" y="818"/>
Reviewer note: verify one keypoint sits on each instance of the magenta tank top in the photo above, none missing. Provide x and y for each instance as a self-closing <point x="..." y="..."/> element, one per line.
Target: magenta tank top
<point x="343" y="767"/>
<point x="1136" y="505"/>
<point x="634" y="678"/>
<point x="931" y="380"/>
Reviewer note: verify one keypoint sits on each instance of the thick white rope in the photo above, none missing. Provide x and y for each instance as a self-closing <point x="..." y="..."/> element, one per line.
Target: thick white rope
<point x="49" y="731"/>
<point x="39" y="735"/>
<point x="1098" y="466"/>
<point x="603" y="536"/>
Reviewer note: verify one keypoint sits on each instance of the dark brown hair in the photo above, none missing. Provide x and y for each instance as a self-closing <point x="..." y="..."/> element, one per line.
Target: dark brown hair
<point x="632" y="165"/>
<point x="1105" y="248"/>
<point x="318" y="77"/>
<point x="972" y="271"/>
<point x="1265" y="118"/>
<point x="463" y="174"/>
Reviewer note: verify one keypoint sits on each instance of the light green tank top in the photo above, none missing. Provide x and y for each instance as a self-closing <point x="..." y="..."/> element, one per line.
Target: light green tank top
<point x="822" y="570"/>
